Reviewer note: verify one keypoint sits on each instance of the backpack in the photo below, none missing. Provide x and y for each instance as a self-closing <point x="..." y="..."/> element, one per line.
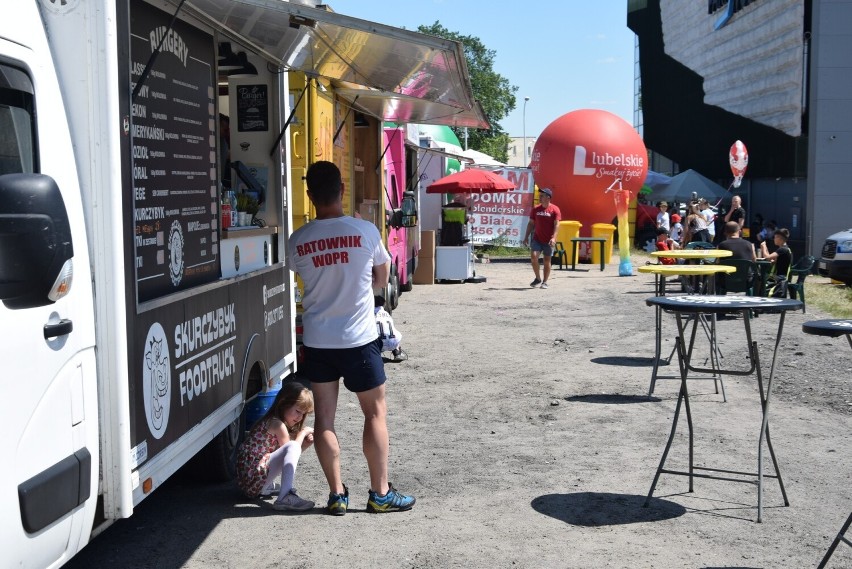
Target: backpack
<point x="391" y="337"/>
<point x="776" y="286"/>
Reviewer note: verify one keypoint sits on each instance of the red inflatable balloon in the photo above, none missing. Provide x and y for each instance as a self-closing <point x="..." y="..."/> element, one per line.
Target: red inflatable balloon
<point x="579" y="155"/>
<point x="738" y="158"/>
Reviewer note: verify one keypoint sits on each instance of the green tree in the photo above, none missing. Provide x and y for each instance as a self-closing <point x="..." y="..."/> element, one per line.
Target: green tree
<point x="492" y="90"/>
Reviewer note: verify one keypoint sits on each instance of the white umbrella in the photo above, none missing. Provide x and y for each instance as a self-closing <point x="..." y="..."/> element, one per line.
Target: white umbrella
<point x="480" y="158"/>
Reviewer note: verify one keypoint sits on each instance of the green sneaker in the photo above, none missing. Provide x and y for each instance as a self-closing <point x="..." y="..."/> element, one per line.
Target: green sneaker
<point x="338" y="503"/>
<point x="393" y="501"/>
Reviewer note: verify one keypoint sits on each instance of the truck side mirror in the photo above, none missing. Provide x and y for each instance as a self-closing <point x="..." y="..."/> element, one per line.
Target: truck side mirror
<point x="409" y="210"/>
<point x="394" y="218"/>
<point x="35" y="239"/>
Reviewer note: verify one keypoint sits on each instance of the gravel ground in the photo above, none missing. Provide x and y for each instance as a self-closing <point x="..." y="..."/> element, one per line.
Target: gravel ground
<point x="522" y="423"/>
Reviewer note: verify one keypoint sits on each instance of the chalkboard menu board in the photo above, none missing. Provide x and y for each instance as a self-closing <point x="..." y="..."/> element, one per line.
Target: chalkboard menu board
<point x="173" y="129"/>
<point x="252" y="108"/>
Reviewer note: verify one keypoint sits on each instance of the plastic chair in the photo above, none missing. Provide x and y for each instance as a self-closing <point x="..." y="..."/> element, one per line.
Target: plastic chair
<point x="699" y="245"/>
<point x="560" y="256"/>
<point x="800" y="270"/>
<point x="702" y="245"/>
<point x="740" y="281"/>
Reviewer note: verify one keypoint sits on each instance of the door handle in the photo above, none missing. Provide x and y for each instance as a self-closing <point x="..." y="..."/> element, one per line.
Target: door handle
<point x="61" y="328"/>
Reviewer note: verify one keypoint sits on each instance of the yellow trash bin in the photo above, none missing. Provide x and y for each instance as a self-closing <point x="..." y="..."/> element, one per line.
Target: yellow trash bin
<point x="567" y="231"/>
<point x="607" y="231"/>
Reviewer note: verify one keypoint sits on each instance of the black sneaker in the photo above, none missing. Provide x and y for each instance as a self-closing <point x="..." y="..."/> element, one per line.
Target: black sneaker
<point x="338" y="503"/>
<point x="536" y="282"/>
<point x="393" y="501"/>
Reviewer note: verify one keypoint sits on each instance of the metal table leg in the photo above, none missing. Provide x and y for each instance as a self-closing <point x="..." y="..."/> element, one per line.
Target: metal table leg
<point x="764" y="403"/>
<point x="683" y="357"/>
<point x="660" y="281"/>
<point x="840" y="537"/>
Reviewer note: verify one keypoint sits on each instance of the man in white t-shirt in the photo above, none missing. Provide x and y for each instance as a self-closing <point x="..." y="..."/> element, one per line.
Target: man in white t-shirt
<point x="340" y="260"/>
<point x="710" y="215"/>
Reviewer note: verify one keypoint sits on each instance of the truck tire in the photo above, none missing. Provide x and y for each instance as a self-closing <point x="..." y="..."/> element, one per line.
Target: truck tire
<point x="219" y="458"/>
<point x="393" y="291"/>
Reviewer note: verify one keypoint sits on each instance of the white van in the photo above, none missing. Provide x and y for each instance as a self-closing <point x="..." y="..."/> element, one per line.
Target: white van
<point x="836" y="258"/>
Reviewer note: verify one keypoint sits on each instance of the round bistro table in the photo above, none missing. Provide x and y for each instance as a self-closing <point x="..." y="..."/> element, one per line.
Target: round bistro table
<point x="833" y="327"/>
<point x="685" y="306"/>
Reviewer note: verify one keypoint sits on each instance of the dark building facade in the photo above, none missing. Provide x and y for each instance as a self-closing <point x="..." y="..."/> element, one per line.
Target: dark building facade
<point x="775" y="74"/>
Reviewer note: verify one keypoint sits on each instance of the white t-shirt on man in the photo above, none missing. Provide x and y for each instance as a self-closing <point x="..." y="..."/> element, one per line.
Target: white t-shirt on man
<point x="335" y="258"/>
<point x="710" y="216"/>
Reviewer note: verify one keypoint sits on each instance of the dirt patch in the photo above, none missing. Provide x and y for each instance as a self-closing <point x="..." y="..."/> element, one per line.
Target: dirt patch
<point x="522" y="423"/>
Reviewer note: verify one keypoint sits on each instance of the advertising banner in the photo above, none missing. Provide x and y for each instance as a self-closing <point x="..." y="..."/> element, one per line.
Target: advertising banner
<point x="501" y="218"/>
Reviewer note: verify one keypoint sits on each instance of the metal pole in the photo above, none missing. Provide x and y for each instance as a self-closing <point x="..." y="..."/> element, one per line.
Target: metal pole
<point x="524" y="163"/>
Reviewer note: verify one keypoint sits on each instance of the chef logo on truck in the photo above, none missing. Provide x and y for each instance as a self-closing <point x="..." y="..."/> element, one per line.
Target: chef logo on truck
<point x="156" y="380"/>
<point x="176" y="253"/>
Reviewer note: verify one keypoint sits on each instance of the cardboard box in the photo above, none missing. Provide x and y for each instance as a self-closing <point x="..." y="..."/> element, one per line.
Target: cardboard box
<point x="425" y="272"/>
<point x="427" y="244"/>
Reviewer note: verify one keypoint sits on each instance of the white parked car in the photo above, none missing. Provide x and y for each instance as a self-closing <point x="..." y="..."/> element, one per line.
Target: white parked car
<point x="836" y="259"/>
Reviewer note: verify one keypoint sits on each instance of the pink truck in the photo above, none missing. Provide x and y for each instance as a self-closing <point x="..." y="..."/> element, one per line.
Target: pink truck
<point x="402" y="233"/>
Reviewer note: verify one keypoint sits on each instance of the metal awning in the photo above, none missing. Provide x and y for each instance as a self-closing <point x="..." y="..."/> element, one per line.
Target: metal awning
<point x="409" y="65"/>
<point x="442" y="152"/>
<point x="402" y="109"/>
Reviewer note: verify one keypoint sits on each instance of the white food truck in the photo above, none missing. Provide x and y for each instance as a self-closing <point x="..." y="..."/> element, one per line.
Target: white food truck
<point x="138" y="321"/>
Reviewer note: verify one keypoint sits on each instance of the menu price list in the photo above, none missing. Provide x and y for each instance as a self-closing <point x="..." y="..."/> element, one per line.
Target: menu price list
<point x="173" y="128"/>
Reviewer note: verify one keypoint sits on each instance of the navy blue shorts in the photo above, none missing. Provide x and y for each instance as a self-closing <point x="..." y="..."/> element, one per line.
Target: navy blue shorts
<point x="544" y="248"/>
<point x="360" y="367"/>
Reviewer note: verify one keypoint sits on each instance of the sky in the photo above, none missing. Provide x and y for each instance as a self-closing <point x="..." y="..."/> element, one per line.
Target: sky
<point x="564" y="55"/>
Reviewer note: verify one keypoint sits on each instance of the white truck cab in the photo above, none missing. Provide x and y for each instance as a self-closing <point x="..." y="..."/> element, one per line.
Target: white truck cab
<point x="136" y="326"/>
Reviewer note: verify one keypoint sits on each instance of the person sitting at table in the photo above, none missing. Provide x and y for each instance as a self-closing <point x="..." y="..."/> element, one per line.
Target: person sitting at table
<point x="666" y="243"/>
<point x="781" y="260"/>
<point x="741" y="249"/>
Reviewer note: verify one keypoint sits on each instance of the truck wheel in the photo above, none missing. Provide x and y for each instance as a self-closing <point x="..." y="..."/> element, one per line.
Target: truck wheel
<point x="220" y="455"/>
<point x="216" y="462"/>
<point x="393" y="291"/>
<point x="408" y="286"/>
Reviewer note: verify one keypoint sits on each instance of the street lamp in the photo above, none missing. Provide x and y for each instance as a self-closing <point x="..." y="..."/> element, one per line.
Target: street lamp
<point x="526" y="100"/>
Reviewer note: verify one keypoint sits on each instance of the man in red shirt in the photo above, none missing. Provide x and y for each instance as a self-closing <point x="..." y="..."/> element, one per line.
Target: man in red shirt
<point x="543" y="225"/>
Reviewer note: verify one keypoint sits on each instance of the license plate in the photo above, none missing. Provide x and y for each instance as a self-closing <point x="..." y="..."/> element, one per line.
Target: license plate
<point x="823" y="266"/>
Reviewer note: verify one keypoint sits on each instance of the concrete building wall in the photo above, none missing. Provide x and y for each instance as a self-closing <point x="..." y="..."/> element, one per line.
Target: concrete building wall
<point x="830" y="130"/>
<point x="752" y="66"/>
<point x="517" y="157"/>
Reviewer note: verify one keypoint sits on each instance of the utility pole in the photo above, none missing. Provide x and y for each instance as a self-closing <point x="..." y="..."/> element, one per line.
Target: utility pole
<point x="526" y="100"/>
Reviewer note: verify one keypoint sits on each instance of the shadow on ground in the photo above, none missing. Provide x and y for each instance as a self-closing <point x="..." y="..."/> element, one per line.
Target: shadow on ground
<point x="627" y="361"/>
<point x="594" y="509"/>
<point x="612" y="398"/>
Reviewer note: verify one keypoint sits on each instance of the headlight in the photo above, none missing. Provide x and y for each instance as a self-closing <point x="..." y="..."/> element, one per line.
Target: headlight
<point x="844" y="246"/>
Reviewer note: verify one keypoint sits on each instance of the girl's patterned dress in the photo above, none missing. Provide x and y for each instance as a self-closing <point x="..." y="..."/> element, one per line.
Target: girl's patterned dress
<point x="253" y="459"/>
